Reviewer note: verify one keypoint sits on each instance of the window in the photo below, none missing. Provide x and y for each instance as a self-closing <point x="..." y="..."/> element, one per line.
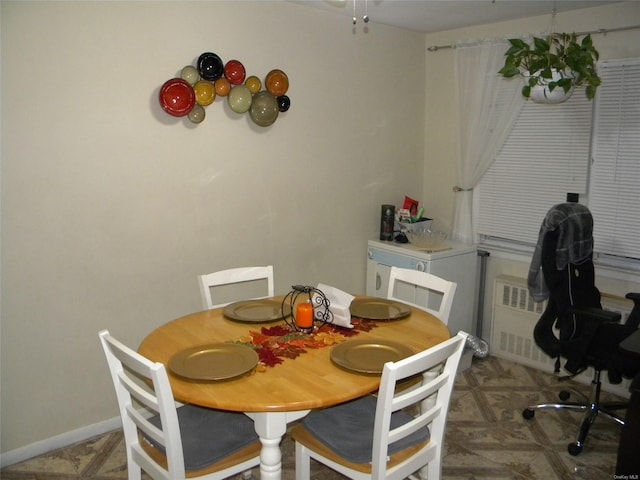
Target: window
<point x="547" y="156"/>
<point x="614" y="191"/>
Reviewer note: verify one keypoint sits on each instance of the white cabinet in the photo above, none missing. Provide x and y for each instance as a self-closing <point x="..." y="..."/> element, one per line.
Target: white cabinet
<point x="457" y="264"/>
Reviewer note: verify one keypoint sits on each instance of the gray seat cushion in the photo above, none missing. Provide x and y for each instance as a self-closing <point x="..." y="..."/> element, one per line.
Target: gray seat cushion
<point x="347" y="429"/>
<point x="209" y="436"/>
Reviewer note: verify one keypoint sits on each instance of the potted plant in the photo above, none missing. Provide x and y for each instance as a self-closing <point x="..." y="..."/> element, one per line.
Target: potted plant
<point x="553" y="66"/>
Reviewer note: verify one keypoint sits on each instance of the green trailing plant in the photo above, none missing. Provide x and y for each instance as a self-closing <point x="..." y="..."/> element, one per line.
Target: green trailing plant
<point x="574" y="62"/>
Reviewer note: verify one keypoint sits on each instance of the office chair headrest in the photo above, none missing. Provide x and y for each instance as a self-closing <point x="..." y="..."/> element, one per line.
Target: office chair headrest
<point x="573" y="225"/>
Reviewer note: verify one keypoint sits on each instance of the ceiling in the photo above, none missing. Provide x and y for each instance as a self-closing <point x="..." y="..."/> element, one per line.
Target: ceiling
<point x="430" y="16"/>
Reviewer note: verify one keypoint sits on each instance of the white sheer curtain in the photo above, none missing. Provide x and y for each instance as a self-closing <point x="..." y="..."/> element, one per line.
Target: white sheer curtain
<point x="488" y="105"/>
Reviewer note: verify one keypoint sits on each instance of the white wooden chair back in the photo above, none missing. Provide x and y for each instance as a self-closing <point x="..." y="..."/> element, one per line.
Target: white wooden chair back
<point x="129" y="372"/>
<point x="422" y="458"/>
<point x="143" y="392"/>
<point x="233" y="276"/>
<point x="422" y="290"/>
<point x="447" y="355"/>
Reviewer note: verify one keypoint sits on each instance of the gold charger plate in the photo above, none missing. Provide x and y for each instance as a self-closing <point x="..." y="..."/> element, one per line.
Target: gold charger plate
<point x="368" y="356"/>
<point x="378" y="309"/>
<point x="256" y="311"/>
<point x="216" y="361"/>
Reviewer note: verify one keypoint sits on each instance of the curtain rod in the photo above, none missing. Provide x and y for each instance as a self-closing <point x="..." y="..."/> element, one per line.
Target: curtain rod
<point x="603" y="31"/>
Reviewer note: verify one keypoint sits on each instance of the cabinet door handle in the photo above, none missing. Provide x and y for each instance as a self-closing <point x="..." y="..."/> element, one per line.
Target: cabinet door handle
<point x="378" y="281"/>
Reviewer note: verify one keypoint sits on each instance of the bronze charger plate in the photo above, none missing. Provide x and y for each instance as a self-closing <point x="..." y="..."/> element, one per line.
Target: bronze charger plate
<point x="368" y="356"/>
<point x="256" y="311"/>
<point x="215" y="361"/>
<point x="372" y="308"/>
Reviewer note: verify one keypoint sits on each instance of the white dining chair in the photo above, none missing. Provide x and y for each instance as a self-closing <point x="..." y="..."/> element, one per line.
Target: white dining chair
<point x="390" y="436"/>
<point x="422" y="290"/>
<point x="172" y="443"/>
<point x="242" y="275"/>
<point x="427" y="292"/>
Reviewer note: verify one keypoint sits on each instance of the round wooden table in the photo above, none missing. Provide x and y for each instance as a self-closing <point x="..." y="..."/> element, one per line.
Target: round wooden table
<point x="285" y="392"/>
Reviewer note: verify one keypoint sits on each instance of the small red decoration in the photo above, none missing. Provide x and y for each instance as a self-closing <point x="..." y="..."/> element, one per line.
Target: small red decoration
<point x="234" y="72"/>
<point x="177" y="97"/>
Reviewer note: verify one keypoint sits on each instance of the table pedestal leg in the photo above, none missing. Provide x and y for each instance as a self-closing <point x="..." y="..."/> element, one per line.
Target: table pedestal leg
<point x="271" y="426"/>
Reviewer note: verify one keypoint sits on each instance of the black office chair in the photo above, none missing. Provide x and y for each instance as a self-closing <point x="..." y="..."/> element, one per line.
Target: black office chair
<point x="574" y="326"/>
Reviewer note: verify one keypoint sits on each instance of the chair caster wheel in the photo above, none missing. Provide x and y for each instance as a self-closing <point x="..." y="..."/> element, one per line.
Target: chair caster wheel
<point x="574" y="448"/>
<point x="528" y="413"/>
<point x="564" y="395"/>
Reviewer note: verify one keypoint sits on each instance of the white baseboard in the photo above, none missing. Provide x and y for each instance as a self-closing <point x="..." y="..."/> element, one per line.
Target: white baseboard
<point x="59" y="441"/>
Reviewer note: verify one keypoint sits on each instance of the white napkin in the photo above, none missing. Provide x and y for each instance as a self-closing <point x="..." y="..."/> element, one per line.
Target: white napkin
<point x="339" y="303"/>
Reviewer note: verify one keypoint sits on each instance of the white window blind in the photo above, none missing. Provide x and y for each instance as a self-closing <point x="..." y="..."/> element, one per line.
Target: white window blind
<point x="545" y="157"/>
<point x="614" y="193"/>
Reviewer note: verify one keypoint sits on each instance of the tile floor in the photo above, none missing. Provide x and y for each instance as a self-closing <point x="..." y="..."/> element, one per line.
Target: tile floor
<point x="487" y="438"/>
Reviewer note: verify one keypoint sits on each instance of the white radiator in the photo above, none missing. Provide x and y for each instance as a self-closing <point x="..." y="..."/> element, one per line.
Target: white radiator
<point x="514" y="317"/>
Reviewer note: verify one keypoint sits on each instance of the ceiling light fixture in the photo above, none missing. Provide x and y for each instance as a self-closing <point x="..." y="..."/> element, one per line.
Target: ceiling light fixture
<point x="365" y="17"/>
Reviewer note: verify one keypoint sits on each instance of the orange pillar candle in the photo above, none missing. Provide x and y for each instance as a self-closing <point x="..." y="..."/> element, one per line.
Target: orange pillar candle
<point x="304" y="315"/>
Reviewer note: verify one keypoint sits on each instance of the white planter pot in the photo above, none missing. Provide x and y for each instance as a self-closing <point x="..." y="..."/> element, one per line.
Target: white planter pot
<point x="542" y="94"/>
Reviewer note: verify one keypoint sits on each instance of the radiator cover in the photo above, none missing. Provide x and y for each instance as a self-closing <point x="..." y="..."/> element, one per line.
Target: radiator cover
<point x="514" y="317"/>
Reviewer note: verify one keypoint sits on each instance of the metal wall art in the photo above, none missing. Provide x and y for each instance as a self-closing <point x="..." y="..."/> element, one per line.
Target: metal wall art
<point x="198" y="86"/>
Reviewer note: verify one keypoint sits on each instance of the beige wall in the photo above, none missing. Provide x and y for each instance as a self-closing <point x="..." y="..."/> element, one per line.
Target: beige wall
<point x="111" y="208"/>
